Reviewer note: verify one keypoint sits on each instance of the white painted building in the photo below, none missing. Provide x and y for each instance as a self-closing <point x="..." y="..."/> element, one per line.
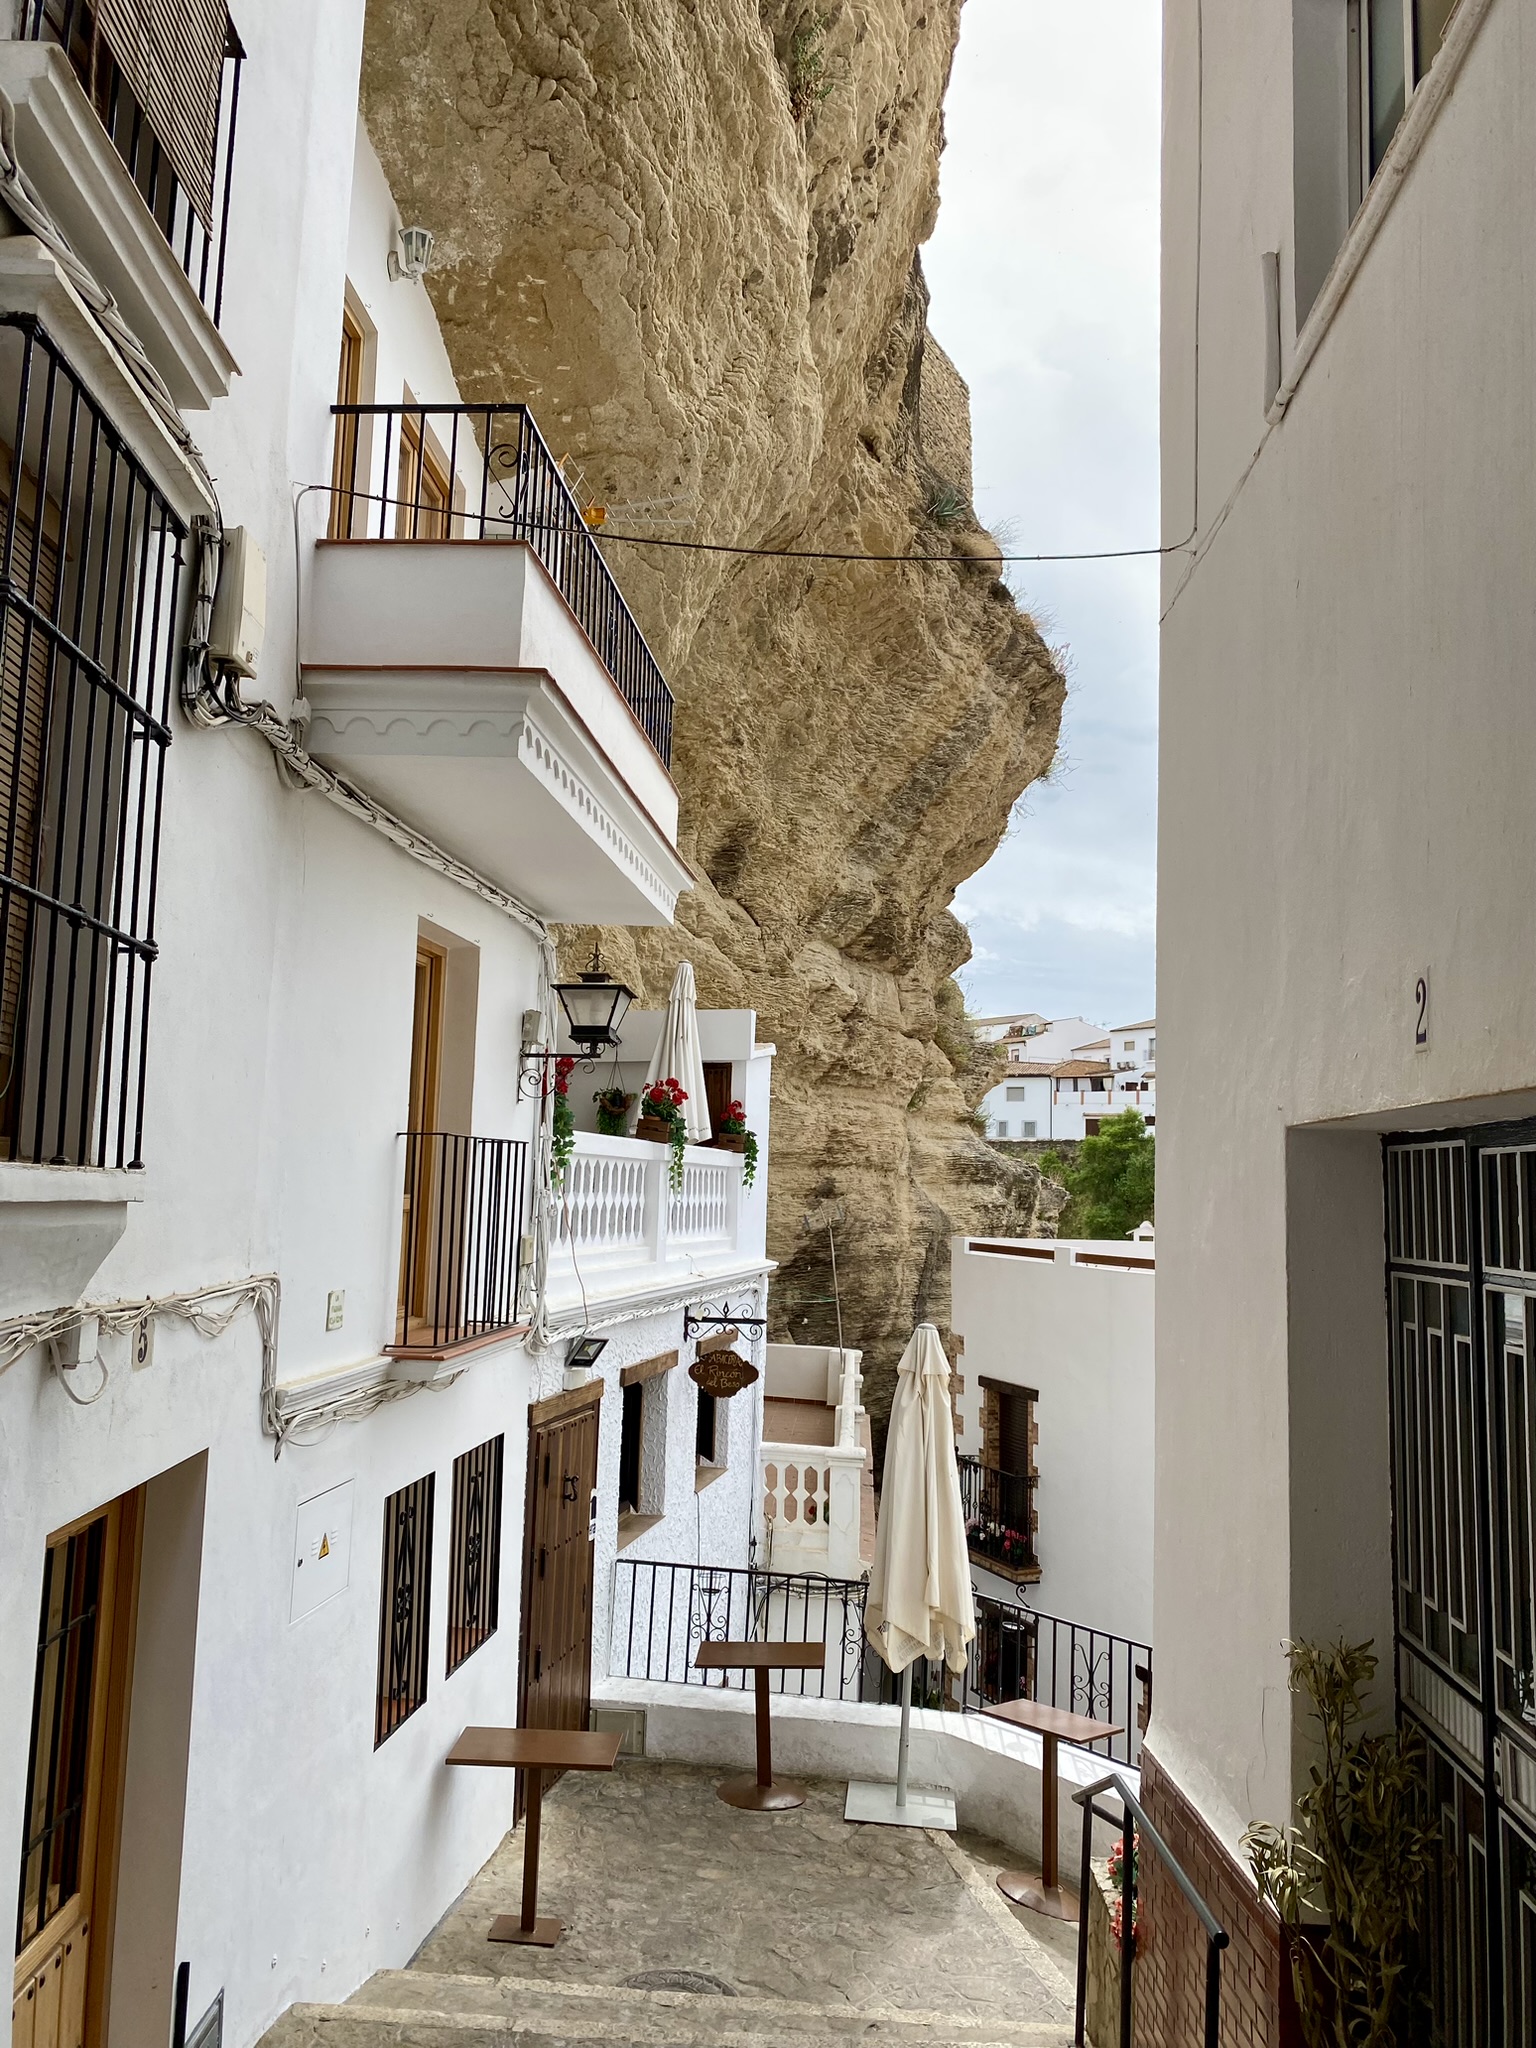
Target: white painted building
<point x="285" y="1304"/>
<point x="1064" y="1078"/>
<point x="1347" y="1267"/>
<point x="1056" y="1423"/>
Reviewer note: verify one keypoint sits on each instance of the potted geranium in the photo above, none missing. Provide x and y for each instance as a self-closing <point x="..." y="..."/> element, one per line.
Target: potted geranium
<point x="562" y="1141"/>
<point x="734" y="1136"/>
<point x="613" y="1107"/>
<point x="663" y="1122"/>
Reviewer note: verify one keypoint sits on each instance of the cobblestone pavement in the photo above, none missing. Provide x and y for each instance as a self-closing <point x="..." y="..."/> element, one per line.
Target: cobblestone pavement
<point x="652" y="1873"/>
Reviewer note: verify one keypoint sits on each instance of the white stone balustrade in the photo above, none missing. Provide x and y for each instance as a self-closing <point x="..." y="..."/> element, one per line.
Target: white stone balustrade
<point x="810" y="1495"/>
<point x="620" y="1228"/>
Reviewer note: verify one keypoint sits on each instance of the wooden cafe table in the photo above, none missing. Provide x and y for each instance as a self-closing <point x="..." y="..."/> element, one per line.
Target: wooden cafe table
<point x="1053" y="1725"/>
<point x="534" y="1750"/>
<point x="760" y="1794"/>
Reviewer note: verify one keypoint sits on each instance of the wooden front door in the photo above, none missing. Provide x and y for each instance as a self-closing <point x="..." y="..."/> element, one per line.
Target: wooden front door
<point x="555" y="1687"/>
<point x="73" y="1769"/>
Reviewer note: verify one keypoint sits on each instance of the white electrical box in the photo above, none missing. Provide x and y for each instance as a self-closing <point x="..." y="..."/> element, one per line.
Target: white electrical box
<point x="322" y="1549"/>
<point x="239" y="621"/>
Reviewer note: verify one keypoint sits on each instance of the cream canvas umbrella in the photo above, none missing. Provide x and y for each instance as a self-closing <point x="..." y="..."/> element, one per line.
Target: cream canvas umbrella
<point x="677" y="1056"/>
<point x="920" y="1602"/>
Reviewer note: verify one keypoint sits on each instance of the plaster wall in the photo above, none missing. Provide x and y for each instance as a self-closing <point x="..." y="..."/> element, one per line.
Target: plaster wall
<point x="277" y="1087"/>
<point x="1347" y="747"/>
<point x="1082" y="1337"/>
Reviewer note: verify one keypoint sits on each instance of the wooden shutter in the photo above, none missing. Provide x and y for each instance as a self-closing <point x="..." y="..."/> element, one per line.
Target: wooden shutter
<point x="171" y="53"/>
<point x="24" y="663"/>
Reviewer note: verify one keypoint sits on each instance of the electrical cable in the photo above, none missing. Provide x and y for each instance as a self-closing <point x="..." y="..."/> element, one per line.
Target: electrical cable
<point x="713" y="547"/>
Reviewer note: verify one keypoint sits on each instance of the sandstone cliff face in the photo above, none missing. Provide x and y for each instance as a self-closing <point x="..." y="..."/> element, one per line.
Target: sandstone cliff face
<point x="686" y="232"/>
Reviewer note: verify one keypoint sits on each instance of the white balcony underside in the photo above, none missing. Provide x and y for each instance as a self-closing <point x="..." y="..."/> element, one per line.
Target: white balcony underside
<point x="451" y="681"/>
<point x="496" y="768"/>
<point x="64" y="150"/>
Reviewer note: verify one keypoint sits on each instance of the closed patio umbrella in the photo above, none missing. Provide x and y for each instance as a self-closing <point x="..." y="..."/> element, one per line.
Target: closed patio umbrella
<point x="677" y="1056"/>
<point x="920" y="1602"/>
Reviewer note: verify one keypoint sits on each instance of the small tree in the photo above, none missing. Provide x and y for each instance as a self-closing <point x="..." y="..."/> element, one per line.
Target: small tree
<point x="1362" y="1855"/>
<point x="1112" y="1182"/>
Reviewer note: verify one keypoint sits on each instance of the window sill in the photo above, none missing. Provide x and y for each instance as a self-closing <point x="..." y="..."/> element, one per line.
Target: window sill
<point x="706" y="1475"/>
<point x="633" y="1527"/>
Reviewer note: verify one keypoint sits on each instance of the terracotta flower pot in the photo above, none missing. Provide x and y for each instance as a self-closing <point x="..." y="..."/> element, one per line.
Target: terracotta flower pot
<point x="655" y="1128"/>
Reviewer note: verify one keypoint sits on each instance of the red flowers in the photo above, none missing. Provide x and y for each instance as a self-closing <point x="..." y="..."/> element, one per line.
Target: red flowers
<point x="663" y="1097"/>
<point x="565" y="1066"/>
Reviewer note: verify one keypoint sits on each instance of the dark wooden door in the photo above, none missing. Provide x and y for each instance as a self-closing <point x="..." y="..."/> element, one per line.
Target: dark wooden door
<point x="555" y="1686"/>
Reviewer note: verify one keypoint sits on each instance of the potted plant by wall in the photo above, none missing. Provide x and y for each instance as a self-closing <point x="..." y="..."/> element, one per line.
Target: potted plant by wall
<point x="663" y="1122"/>
<point x="562" y="1140"/>
<point x="613" y="1107"/>
<point x="733" y="1136"/>
<point x="1351" y="1879"/>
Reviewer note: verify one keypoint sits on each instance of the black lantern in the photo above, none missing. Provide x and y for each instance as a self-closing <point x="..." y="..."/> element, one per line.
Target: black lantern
<point x="594" y="1007"/>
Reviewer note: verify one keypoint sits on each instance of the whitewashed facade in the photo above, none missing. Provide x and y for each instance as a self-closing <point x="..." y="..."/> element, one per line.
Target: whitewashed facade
<point x="226" y="1182"/>
<point x="1069" y="1326"/>
<point x="1064" y="1078"/>
<point x="1345" y="844"/>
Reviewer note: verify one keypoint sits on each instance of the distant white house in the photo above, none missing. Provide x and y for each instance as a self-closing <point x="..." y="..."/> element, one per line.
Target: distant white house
<point x="1055" y="1406"/>
<point x="1065" y="1077"/>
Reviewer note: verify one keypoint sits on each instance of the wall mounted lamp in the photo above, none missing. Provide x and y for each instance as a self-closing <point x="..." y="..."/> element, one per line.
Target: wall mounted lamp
<point x="411" y="259"/>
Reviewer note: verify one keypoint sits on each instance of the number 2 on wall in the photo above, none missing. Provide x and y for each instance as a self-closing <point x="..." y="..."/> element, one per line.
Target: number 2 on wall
<point x="1421" y="1017"/>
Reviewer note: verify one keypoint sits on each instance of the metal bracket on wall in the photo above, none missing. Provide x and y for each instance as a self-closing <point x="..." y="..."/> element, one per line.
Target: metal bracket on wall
<point x="693" y="1323"/>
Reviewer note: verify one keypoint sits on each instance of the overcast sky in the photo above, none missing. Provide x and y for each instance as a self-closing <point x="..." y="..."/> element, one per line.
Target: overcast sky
<point x="1043" y="272"/>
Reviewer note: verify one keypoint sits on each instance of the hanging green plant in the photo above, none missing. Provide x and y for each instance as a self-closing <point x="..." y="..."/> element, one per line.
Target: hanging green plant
<point x="562" y="1141"/>
<point x="1360" y="1859"/>
<point x="613" y="1107"/>
<point x="734" y="1136"/>
<point x="662" y="1104"/>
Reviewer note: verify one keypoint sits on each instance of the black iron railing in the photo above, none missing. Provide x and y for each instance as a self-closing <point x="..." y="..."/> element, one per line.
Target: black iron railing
<point x="179" y="149"/>
<point x="90" y="594"/>
<point x="1136" y="1833"/>
<point x="663" y="1611"/>
<point x="460" y="1239"/>
<point x="484" y="473"/>
<point x="999" y="1514"/>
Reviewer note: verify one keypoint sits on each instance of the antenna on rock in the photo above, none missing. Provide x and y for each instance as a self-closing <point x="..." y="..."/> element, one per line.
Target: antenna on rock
<point x="828" y="1216"/>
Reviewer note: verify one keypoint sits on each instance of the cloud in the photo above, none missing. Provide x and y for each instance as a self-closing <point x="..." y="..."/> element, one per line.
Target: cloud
<point x="1044" y="275"/>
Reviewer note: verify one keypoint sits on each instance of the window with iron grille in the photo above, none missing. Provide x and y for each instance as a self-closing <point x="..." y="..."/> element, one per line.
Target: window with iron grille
<point x="90" y="596"/>
<point x="164" y="78"/>
<point x="474" y="1569"/>
<point x="405" y="1605"/>
<point x="61" y="1728"/>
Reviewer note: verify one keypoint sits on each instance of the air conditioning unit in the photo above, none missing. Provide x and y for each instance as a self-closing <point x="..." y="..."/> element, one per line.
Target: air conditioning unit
<point x="239" y="622"/>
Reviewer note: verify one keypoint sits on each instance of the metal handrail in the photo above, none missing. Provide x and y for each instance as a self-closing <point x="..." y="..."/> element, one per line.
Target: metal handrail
<point x="485" y="472"/>
<point x="998" y="1504"/>
<point x="1133" y="1821"/>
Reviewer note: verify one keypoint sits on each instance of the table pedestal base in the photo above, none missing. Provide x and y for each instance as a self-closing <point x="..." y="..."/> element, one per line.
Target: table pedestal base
<point x="542" y="1934"/>
<point x="877" y="1803"/>
<point x="1023" y="1890"/>
<point x="751" y="1796"/>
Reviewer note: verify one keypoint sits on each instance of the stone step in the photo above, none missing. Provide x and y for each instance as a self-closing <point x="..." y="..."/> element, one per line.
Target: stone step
<point x="419" y="2009"/>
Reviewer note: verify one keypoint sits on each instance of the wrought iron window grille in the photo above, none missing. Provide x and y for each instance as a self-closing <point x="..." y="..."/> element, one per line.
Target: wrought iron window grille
<point x="485" y="473"/>
<point x="405" y="1605"/>
<point x="91" y="562"/>
<point x="474" y="1567"/>
<point x="181" y="154"/>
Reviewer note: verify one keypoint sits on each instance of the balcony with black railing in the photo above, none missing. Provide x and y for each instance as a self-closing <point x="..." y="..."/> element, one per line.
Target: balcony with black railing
<point x="999" y="1518"/>
<point x="128" y="138"/>
<point x="459" y="616"/>
<point x="461" y="1239"/>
